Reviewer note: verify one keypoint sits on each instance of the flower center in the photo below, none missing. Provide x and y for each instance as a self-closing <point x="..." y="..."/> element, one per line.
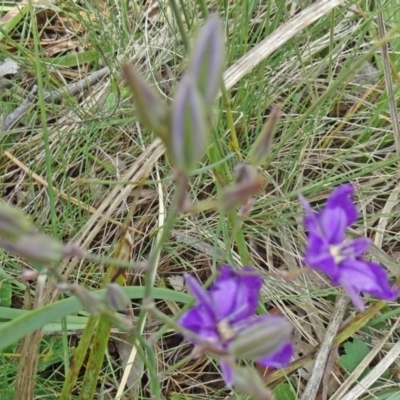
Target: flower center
<point x="336" y="253"/>
<point x="225" y="330"/>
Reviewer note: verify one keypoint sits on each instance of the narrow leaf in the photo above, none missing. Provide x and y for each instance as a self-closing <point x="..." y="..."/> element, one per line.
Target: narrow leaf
<point x="18" y="328"/>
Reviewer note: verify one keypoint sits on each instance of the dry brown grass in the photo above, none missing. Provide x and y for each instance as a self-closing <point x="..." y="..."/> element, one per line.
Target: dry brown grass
<point x="97" y="148"/>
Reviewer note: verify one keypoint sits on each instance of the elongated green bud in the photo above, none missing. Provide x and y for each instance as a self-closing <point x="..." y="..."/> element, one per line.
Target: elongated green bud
<point x="13" y="222"/>
<point x="247" y="183"/>
<point x="207" y="60"/>
<point x="90" y="302"/>
<point x="38" y="248"/>
<point x="249" y="382"/>
<point x="266" y="336"/>
<point x="245" y="173"/>
<point x="188" y="136"/>
<point x="262" y="146"/>
<point x="150" y="109"/>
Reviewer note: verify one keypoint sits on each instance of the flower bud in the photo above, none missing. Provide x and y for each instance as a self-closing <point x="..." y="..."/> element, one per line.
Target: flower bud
<point x="188" y="128"/>
<point x="262" y="146"/>
<point x="249" y="382"/>
<point x="115" y="298"/>
<point x="36" y="247"/>
<point x="264" y="337"/>
<point x="89" y="301"/>
<point x="244" y="173"/>
<point x="239" y="193"/>
<point x="73" y="250"/>
<point x="13" y="222"/>
<point x="207" y="61"/>
<point x="245" y="210"/>
<point x="29" y="274"/>
<point x="150" y="108"/>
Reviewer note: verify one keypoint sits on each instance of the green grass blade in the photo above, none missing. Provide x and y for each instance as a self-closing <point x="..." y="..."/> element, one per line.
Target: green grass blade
<point x="15" y="18"/>
<point x="23" y="325"/>
<point x="79" y="355"/>
<point x="95" y="362"/>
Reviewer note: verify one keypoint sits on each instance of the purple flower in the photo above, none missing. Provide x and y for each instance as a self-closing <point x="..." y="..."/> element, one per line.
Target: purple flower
<point x="341" y="259"/>
<point x="225" y="323"/>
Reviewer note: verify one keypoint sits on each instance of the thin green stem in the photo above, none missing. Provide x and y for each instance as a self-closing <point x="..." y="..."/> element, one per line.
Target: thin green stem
<point x="44" y="127"/>
<point x="48" y="164"/>
<point x="234" y="143"/>
<point x="150" y="274"/>
<point x="225" y="178"/>
<point x="151" y="271"/>
<point x="185" y="14"/>
<point x="179" y="23"/>
<point x="203" y="7"/>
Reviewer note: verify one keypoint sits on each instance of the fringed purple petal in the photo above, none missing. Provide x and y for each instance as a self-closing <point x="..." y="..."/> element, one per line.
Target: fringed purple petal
<point x="199" y="321"/>
<point x="355" y="248"/>
<point x="228" y="374"/>
<point x="199" y="293"/>
<point x="359" y="276"/>
<point x="385" y="291"/>
<point x="279" y="359"/>
<point x="353" y="294"/>
<point x="223" y="293"/>
<point x="311" y="217"/>
<point x="235" y="294"/>
<point x="330" y="223"/>
<point x="340" y="198"/>
<point x="333" y="224"/>
<point x="318" y="256"/>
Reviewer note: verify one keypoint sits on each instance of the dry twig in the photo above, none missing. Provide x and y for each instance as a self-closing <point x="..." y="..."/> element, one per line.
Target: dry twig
<point x="312" y="387"/>
<point x="53" y="97"/>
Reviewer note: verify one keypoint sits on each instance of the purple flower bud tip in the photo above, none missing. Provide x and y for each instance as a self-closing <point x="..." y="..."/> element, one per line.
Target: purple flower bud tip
<point x="13" y="222"/>
<point x="262" y="146"/>
<point x="225" y="314"/>
<point x="40" y="248"/>
<point x="239" y="194"/>
<point x="36" y="247"/>
<point x="342" y="259"/>
<point x="149" y="107"/>
<point x="207" y="61"/>
<point x="115" y="298"/>
<point x="188" y="136"/>
<point x="90" y="302"/>
<point x="245" y="173"/>
<point x="29" y="275"/>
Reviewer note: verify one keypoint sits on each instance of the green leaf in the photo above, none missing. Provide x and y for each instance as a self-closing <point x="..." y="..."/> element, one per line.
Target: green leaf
<point x="391" y="394"/>
<point x="73" y="59"/>
<point x="23" y="325"/>
<point x="284" y="392"/>
<point x="5" y="293"/>
<point x="73" y="322"/>
<point x="355" y="353"/>
<point x="13" y="19"/>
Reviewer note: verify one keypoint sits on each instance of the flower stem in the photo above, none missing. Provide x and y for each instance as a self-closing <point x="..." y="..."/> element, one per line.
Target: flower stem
<point x="150" y="273"/>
